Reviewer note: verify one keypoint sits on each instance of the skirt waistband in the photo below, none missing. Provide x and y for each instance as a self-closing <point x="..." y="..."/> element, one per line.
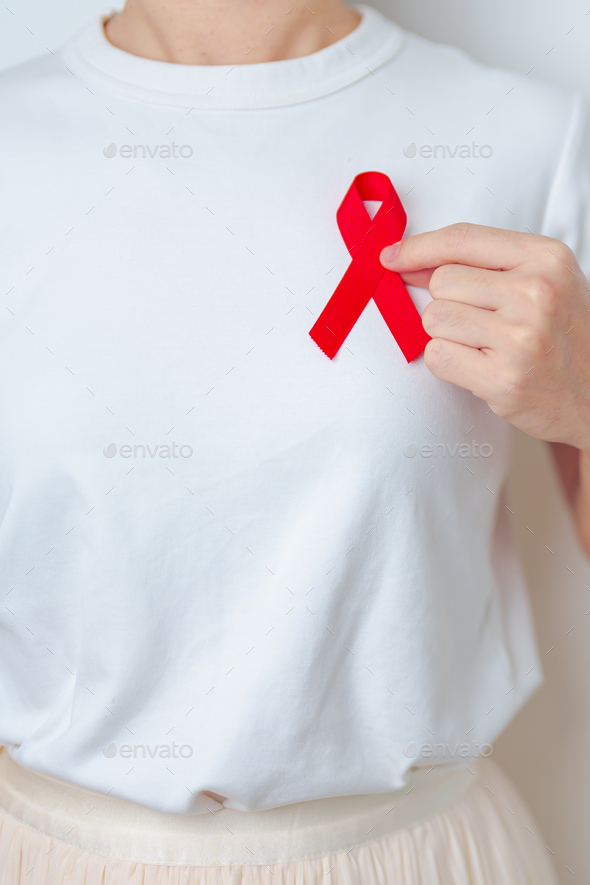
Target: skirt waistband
<point x="117" y="828"/>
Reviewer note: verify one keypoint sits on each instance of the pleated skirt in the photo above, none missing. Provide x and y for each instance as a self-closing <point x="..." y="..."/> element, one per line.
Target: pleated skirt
<point x="464" y="826"/>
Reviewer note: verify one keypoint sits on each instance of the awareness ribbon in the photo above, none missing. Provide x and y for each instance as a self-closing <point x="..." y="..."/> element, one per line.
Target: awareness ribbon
<point x="366" y="277"/>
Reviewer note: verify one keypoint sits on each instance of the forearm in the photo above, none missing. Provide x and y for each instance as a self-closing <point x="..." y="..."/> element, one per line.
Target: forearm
<point x="582" y="501"/>
<point x="573" y="467"/>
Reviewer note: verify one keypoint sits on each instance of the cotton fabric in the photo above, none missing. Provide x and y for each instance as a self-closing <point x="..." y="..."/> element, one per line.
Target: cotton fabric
<point x="232" y="565"/>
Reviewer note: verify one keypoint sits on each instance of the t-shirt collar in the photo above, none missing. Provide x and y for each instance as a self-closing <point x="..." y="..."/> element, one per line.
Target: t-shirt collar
<point x="374" y="41"/>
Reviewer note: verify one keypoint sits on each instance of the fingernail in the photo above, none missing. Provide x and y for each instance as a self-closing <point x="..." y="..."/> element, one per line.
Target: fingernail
<point x="390" y="252"/>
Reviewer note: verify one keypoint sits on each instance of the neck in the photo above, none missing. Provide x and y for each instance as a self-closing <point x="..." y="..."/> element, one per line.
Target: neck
<point x="228" y="32"/>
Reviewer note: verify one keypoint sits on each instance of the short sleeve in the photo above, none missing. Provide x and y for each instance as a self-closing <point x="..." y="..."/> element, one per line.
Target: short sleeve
<point x="567" y="212"/>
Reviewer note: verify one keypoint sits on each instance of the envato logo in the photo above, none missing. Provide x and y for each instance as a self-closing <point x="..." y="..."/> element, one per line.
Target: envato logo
<point x="445" y="751"/>
<point x="433" y="151"/>
<point x="144" y="451"/>
<point x="463" y="450"/>
<point x="146" y="151"/>
<point x="164" y="751"/>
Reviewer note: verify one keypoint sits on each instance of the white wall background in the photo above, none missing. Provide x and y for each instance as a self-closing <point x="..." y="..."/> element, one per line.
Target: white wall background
<point x="546" y="749"/>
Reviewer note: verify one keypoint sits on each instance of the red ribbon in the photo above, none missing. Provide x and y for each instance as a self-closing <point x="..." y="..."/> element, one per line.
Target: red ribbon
<point x="366" y="276"/>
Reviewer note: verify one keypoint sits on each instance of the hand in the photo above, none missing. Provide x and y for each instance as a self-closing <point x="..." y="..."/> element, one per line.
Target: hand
<point x="509" y="320"/>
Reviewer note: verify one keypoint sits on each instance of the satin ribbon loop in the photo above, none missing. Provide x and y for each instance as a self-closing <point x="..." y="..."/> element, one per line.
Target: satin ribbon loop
<point x="366" y="277"/>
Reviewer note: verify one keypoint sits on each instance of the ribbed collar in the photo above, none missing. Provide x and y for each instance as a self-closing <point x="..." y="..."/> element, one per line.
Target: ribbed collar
<point x="373" y="42"/>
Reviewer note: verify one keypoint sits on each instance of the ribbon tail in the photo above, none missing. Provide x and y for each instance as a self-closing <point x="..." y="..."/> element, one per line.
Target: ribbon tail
<point x="348" y="301"/>
<point x="399" y="312"/>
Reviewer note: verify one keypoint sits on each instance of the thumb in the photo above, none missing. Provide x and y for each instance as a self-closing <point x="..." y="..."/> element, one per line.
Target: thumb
<point x="390" y="253"/>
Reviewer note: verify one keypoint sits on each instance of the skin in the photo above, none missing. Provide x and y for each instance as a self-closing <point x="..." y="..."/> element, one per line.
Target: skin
<point x="510" y="312"/>
<point x="221" y="32"/>
<point x="509" y="321"/>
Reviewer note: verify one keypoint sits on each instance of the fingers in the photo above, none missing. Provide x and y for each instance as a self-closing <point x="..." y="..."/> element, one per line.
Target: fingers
<point x="418" y="278"/>
<point x="463" y="324"/>
<point x="458" y="364"/>
<point x="471" y="244"/>
<point x="487" y="289"/>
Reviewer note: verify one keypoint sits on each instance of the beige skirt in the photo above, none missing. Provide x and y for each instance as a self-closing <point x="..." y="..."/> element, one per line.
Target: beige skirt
<point x="465" y="826"/>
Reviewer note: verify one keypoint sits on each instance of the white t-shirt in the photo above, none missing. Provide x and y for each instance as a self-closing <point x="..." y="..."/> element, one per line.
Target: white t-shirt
<point x="231" y="564"/>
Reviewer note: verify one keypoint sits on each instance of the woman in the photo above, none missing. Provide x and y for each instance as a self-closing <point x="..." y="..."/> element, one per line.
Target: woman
<point x="265" y="617"/>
